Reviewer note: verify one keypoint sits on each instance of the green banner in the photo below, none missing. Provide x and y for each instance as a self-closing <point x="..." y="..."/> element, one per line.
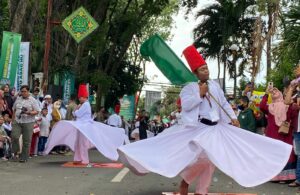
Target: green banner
<point x="127" y="107"/>
<point x="167" y="61"/>
<point x="68" y="83"/>
<point x="9" y="57"/>
<point x="80" y="24"/>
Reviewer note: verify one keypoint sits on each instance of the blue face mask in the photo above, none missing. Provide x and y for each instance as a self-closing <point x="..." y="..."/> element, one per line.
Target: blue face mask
<point x="241" y="107"/>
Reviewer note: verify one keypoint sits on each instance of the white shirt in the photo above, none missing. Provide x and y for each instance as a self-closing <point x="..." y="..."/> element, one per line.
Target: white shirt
<point x="44" y="127"/>
<point x="114" y="120"/>
<point x="193" y="105"/>
<point x="84" y="113"/>
<point x="7" y="126"/>
<point x="63" y="113"/>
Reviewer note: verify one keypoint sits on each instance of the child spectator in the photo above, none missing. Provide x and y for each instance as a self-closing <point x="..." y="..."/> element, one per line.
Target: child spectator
<point x="246" y="116"/>
<point x="44" y="131"/>
<point x="7" y="123"/>
<point x="4" y="140"/>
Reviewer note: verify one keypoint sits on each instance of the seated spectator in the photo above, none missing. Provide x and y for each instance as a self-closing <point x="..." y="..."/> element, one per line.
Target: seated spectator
<point x="7" y="123"/>
<point x="4" y="141"/>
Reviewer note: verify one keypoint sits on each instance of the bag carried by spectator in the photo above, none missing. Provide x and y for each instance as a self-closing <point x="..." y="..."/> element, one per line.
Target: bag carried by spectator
<point x="284" y="128"/>
<point x="36" y="128"/>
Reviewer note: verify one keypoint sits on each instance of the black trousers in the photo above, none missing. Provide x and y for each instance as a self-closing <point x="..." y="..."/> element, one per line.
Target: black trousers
<point x="143" y="133"/>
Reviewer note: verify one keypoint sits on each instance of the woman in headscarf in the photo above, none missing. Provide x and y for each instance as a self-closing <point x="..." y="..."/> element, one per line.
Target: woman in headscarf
<point x="277" y="112"/>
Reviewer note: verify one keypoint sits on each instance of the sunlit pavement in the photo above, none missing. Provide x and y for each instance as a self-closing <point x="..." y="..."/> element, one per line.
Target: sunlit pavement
<point x="46" y="176"/>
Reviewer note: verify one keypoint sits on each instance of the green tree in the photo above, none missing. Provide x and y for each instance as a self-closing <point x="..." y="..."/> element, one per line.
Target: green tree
<point x="287" y="53"/>
<point x="224" y="24"/>
<point x="169" y="101"/>
<point x="103" y="59"/>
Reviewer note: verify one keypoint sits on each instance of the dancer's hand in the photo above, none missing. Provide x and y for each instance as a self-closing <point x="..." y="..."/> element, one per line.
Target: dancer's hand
<point x="78" y="106"/>
<point x="203" y="88"/>
<point x="235" y="122"/>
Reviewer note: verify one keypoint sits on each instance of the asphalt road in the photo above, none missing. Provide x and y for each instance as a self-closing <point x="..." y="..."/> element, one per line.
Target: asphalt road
<point x="45" y="176"/>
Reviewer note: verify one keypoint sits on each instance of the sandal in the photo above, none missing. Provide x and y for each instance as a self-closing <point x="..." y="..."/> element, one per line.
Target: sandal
<point x="294" y="184"/>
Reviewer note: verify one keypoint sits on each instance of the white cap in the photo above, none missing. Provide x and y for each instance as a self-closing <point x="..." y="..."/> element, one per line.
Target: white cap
<point x="47" y="96"/>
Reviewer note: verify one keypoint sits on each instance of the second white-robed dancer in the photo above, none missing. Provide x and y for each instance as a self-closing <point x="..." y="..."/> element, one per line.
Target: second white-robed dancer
<point x="84" y="133"/>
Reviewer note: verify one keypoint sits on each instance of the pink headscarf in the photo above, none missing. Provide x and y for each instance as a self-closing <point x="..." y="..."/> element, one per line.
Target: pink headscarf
<point x="277" y="108"/>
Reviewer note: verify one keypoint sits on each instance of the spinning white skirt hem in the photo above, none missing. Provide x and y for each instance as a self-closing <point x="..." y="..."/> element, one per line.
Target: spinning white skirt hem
<point x="250" y="159"/>
<point x="105" y="138"/>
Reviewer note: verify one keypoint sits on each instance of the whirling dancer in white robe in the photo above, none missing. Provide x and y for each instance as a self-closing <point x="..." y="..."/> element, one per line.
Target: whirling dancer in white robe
<point x="205" y="140"/>
<point x="84" y="133"/>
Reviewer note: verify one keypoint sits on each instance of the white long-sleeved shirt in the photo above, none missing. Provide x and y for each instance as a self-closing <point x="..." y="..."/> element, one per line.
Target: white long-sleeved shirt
<point x="7" y="126"/>
<point x="84" y="113"/>
<point x="194" y="106"/>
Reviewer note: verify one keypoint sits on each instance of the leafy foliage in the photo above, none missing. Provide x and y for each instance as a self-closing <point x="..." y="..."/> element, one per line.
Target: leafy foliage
<point x="223" y="24"/>
<point x="288" y="51"/>
<point x="103" y="58"/>
<point x="169" y="101"/>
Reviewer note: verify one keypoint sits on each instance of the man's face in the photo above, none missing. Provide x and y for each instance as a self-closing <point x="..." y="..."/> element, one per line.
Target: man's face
<point x="44" y="112"/>
<point x="82" y="99"/>
<point x="48" y="100"/>
<point x="202" y="73"/>
<point x="6" y="117"/>
<point x="35" y="93"/>
<point x="1" y="120"/>
<point x="242" y="103"/>
<point x="24" y="93"/>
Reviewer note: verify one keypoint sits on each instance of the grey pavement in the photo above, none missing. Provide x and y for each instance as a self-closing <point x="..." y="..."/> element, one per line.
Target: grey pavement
<point x="45" y="176"/>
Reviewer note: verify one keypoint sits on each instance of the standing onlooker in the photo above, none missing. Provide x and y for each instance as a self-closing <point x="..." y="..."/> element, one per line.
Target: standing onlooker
<point x="246" y="116"/>
<point x="125" y="125"/>
<point x="293" y="114"/>
<point x="8" y="98"/>
<point x="277" y="114"/>
<point x="143" y="119"/>
<point x="101" y="115"/>
<point x="248" y="90"/>
<point x="71" y="108"/>
<point x="3" y="105"/>
<point x="36" y="96"/>
<point x="24" y="110"/>
<point x="44" y="131"/>
<point x="47" y="103"/>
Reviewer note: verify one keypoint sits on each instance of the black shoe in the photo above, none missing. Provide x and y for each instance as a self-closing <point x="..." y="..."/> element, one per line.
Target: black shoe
<point x="22" y="161"/>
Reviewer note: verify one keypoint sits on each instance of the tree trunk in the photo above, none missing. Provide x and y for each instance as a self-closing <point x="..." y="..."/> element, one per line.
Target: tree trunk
<point x="234" y="81"/>
<point x="18" y="16"/>
<point x="224" y="70"/>
<point x="270" y="23"/>
<point x="219" y="68"/>
<point x="99" y="96"/>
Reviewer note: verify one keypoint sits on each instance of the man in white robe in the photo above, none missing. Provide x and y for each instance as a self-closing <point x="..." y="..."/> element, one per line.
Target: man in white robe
<point x="83" y="113"/>
<point x="84" y="133"/>
<point x="199" y="106"/>
<point x="205" y="140"/>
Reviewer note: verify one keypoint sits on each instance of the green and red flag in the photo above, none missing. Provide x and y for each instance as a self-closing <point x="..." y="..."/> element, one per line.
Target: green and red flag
<point x="166" y="60"/>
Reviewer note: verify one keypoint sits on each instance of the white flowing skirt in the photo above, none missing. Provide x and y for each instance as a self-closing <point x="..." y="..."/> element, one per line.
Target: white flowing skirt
<point x="104" y="137"/>
<point x="250" y="159"/>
